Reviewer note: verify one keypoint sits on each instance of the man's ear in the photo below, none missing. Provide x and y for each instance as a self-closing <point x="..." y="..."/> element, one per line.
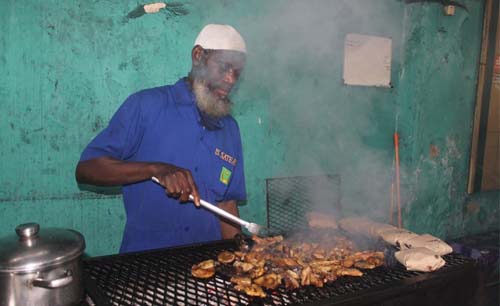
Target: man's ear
<point x="196" y="55"/>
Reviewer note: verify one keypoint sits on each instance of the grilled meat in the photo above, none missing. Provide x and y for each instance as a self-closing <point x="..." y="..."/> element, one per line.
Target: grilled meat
<point x="226" y="257"/>
<point x="364" y="265"/>
<point x="243" y="267"/>
<point x="348" y="272"/>
<point x="348" y="262"/>
<point x="305" y="276"/>
<point x="284" y="262"/>
<point x="257" y="271"/>
<point x="204" y="269"/>
<point x="269" y="281"/>
<point x="316" y="280"/>
<point x="293" y="263"/>
<point x="252" y="290"/>
<point x="267" y="240"/>
<point x="242" y="281"/>
<point x="290" y="282"/>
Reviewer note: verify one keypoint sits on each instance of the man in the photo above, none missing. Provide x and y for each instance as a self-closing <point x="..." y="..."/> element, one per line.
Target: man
<point x="183" y="135"/>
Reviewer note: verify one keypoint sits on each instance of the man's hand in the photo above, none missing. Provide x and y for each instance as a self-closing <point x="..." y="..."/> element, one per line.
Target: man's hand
<point x="178" y="182"/>
<point x="108" y="171"/>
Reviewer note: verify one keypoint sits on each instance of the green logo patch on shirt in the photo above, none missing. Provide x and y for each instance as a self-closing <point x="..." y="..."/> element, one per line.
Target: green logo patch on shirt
<point x="225" y="175"/>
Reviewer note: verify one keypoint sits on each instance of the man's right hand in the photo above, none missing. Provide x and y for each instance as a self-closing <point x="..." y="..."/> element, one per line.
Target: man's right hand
<point x="108" y="171"/>
<point x="178" y="182"/>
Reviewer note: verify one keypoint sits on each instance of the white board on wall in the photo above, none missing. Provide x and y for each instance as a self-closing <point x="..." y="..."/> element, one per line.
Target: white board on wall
<point x="367" y="60"/>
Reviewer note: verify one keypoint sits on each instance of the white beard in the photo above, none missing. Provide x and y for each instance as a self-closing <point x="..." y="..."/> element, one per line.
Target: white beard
<point x="208" y="103"/>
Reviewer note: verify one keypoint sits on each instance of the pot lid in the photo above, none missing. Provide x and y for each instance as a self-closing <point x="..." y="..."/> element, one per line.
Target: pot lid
<point x="33" y="249"/>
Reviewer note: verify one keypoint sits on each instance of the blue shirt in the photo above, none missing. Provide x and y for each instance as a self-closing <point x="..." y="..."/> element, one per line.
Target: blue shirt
<point x="164" y="125"/>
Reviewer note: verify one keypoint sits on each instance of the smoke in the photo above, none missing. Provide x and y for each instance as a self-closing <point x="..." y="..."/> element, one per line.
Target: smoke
<point x="296" y="51"/>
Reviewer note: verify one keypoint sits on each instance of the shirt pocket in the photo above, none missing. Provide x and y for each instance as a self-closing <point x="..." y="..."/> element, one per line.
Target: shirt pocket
<point x="221" y="175"/>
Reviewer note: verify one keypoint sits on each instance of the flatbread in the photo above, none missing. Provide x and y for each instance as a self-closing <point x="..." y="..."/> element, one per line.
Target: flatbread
<point x="397" y="237"/>
<point x="436" y="245"/>
<point x="420" y="259"/>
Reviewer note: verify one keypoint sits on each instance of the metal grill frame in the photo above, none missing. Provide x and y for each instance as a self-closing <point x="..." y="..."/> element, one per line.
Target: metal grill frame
<point x="162" y="277"/>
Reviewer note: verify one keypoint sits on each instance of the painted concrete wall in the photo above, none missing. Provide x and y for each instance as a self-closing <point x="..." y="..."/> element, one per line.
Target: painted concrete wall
<point x="66" y="67"/>
<point x="440" y="72"/>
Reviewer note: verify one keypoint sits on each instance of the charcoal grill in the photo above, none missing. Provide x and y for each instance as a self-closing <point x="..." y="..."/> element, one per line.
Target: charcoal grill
<point x="162" y="277"/>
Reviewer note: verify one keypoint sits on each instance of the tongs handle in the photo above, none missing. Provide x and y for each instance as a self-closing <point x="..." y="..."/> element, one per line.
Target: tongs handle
<point x="221" y="212"/>
<point x="212" y="208"/>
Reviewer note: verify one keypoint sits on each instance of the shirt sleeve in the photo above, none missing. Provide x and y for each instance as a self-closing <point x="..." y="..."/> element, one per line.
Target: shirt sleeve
<point x="237" y="189"/>
<point x="121" y="138"/>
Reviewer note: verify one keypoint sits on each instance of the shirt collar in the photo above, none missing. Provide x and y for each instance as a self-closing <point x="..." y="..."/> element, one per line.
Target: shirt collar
<point x="183" y="93"/>
<point x="185" y="96"/>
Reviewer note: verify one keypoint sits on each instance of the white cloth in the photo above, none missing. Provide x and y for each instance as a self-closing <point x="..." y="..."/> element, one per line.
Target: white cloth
<point x="420" y="259"/>
<point x="220" y="37"/>
<point x="430" y="242"/>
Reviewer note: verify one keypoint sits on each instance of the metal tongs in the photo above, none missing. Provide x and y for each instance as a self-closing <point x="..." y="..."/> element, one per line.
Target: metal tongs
<point x="251" y="227"/>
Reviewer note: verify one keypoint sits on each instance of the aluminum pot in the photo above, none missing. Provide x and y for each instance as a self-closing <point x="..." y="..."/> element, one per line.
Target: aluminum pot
<point x="41" y="267"/>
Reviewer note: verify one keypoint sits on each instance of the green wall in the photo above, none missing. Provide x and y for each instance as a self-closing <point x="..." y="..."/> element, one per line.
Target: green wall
<point x="439" y="86"/>
<point x="67" y="65"/>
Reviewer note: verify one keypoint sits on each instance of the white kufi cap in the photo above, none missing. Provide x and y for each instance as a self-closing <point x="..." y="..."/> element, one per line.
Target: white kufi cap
<point x="220" y="37"/>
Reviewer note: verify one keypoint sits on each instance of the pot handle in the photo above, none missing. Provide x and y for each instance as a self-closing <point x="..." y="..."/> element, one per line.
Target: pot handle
<point x="65" y="280"/>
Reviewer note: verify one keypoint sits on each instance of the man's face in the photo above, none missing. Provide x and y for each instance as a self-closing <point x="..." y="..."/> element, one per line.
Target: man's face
<point x="214" y="76"/>
<point x="223" y="69"/>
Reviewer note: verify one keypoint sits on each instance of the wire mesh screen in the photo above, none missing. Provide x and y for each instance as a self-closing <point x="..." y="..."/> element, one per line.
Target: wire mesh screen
<point x="290" y="198"/>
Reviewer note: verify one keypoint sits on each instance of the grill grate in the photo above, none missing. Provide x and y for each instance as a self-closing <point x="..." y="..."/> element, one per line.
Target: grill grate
<point x="163" y="277"/>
